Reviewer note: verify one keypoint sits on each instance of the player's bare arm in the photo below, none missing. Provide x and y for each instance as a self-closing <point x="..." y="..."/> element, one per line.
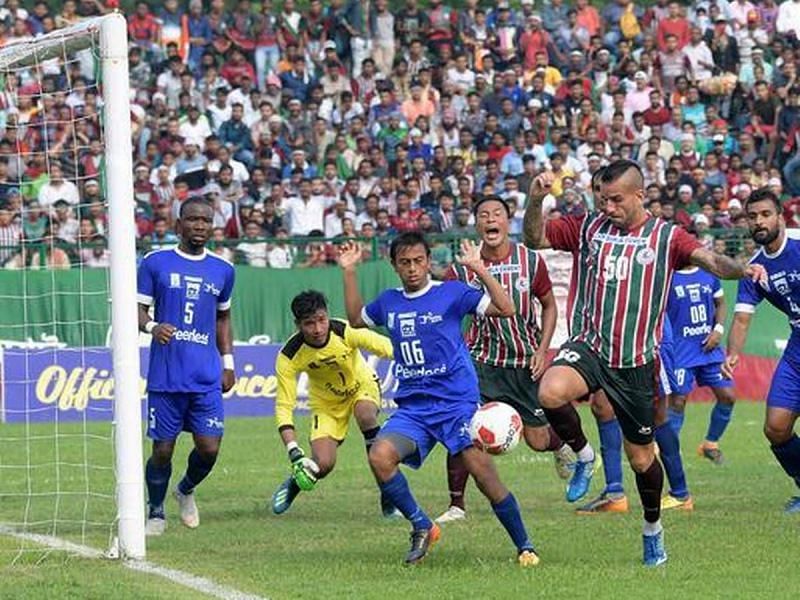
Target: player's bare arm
<point x="533" y="222"/>
<point x="349" y="257"/>
<point x="162" y="332"/>
<point x="225" y="347"/>
<point x="549" y="317"/>
<point x="736" y="338"/>
<point x="502" y="305"/>
<point x="725" y="267"/>
<point x="715" y="337"/>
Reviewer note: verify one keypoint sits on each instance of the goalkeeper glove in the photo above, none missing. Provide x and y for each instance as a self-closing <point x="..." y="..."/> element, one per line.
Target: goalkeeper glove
<point x="304" y="470"/>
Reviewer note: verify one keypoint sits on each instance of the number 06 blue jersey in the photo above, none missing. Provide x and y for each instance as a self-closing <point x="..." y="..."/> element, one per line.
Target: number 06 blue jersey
<point x="187" y="291"/>
<point x="432" y="361"/>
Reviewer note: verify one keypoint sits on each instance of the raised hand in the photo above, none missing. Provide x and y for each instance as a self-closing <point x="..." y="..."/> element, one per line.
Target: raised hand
<point x="541" y="185"/>
<point x="349" y="255"/>
<point x="470" y="256"/>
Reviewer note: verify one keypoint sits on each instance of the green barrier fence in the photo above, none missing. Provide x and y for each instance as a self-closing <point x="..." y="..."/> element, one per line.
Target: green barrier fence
<point x="73" y="305"/>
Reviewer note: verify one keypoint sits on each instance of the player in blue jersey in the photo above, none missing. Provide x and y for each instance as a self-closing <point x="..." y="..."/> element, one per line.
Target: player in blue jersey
<point x="190" y="289"/>
<point x="696" y="308"/>
<point x="437" y="392"/>
<point x="780" y="256"/>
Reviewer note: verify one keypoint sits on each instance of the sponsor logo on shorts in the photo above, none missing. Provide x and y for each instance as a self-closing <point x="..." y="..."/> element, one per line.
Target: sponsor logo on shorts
<point x="645" y="430"/>
<point x="567" y="355"/>
<point x="214" y="423"/>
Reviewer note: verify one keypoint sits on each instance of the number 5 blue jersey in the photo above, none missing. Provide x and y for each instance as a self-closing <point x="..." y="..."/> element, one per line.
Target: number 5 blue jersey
<point x="691" y="310"/>
<point x="432" y="361"/>
<point x="782" y="289"/>
<point x="187" y="291"/>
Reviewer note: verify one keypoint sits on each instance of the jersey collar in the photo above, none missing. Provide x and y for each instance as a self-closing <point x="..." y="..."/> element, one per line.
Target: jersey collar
<point x="779" y="251"/>
<point x="183" y="254"/>
<point x="420" y="292"/>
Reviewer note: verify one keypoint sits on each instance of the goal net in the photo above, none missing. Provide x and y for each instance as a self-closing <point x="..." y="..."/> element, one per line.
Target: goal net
<point x="70" y="409"/>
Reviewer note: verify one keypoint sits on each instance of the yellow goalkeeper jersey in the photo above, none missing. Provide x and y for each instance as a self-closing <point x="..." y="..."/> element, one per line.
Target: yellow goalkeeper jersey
<point x="337" y="372"/>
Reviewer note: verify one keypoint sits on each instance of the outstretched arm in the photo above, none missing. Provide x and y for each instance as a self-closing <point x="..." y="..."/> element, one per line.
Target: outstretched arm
<point x="725" y="267"/>
<point x="533" y="222"/>
<point x="349" y="257"/>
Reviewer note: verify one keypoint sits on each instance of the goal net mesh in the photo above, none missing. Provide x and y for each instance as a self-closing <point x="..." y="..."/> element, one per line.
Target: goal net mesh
<point x="56" y="391"/>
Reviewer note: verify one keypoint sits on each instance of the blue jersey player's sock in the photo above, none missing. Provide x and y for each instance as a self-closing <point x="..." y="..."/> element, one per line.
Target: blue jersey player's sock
<point x="197" y="469"/>
<point x="720" y="417"/>
<point x="676" y="420"/>
<point x="788" y="455"/>
<point x="670" y="448"/>
<point x="397" y="490"/>
<point x="611" y="451"/>
<point x="507" y="511"/>
<point x="157" y="478"/>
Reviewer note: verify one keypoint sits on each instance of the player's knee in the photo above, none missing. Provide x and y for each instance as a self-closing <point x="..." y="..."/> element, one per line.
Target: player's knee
<point x="366" y="414"/>
<point x="162" y="452"/>
<point x="641" y="461"/>
<point x="537" y="438"/>
<point x="552" y="393"/>
<point x="677" y="403"/>
<point x="382" y="459"/>
<point x="325" y="464"/>
<point x="777" y="434"/>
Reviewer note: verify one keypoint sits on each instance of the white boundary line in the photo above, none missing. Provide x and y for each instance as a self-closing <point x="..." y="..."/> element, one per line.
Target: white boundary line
<point x="194" y="582"/>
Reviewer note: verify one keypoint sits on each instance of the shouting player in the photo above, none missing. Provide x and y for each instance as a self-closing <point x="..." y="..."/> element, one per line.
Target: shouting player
<point x="627" y="258"/>
<point x="437" y="393"/>
<point x="341" y="385"/>
<point x="780" y="256"/>
<point x="508" y="353"/>
<point x="696" y="308"/>
<point x="191" y="290"/>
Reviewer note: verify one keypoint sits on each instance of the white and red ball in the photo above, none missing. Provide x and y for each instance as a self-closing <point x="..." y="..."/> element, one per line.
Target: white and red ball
<point x="495" y="428"/>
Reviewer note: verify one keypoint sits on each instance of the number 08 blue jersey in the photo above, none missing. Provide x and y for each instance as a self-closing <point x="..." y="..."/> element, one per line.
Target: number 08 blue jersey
<point x="187" y="291"/>
<point x="432" y="361"/>
<point x="691" y="309"/>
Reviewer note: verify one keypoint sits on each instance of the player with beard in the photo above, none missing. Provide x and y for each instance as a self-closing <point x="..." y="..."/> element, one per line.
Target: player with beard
<point x="509" y="354"/>
<point x="780" y="256"/>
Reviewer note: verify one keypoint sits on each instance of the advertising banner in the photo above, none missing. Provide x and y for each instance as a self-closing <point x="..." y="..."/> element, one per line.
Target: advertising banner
<point x="73" y="384"/>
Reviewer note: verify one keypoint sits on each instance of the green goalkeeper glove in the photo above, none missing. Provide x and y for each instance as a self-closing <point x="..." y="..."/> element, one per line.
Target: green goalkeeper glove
<point x="304" y="470"/>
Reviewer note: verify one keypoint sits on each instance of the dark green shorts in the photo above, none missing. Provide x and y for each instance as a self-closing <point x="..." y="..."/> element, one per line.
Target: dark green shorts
<point x="630" y="391"/>
<point x="513" y="386"/>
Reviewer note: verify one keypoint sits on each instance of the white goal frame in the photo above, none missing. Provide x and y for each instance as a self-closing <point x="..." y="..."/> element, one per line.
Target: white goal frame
<point x="111" y="30"/>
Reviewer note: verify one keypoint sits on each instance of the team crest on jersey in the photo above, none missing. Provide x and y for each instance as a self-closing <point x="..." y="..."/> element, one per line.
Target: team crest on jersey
<point x="174" y="280"/>
<point x="694" y="294"/>
<point x="408" y="324"/>
<point x="645" y="256"/>
<point x="193" y="286"/>
<point x="522" y="285"/>
<point x="781" y="284"/>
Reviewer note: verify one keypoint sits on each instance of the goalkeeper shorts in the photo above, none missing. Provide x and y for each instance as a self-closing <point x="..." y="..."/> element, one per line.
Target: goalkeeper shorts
<point x="331" y="418"/>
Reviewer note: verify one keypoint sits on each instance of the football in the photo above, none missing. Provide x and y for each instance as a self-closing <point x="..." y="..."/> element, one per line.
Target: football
<point x="495" y="428"/>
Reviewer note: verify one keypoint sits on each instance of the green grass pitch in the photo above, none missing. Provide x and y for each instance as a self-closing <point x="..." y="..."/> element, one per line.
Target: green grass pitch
<point x="334" y="544"/>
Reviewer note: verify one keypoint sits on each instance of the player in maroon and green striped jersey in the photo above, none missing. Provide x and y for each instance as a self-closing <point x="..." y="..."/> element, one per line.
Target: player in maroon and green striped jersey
<point x="626" y="261"/>
<point x="510" y="354"/>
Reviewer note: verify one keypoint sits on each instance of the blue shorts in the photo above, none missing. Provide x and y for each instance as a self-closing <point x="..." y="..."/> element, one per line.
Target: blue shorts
<point x="443" y="421"/>
<point x="785" y="389"/>
<point x="666" y="372"/>
<point x="703" y="375"/>
<point x="169" y="413"/>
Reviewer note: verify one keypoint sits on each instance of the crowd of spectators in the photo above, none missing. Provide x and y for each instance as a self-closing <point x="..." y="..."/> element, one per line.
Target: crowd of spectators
<point x="362" y="118"/>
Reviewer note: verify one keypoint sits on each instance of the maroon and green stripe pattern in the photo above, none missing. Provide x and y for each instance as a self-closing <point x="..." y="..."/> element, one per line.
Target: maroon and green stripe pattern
<point x="508" y="342"/>
<point x="621" y="289"/>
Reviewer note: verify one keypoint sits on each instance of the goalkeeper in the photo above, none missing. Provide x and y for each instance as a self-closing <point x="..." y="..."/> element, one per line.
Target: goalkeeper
<point x="340" y="384"/>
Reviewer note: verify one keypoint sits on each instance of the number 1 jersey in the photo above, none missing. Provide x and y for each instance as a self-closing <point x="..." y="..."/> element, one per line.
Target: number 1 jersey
<point x="187" y="291"/>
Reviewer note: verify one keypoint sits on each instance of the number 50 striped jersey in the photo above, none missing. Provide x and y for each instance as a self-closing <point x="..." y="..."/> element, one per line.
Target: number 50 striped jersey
<point x="622" y="282"/>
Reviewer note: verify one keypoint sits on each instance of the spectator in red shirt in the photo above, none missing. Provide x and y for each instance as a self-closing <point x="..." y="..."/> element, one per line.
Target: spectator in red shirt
<point x="235" y="67"/>
<point x="657" y="114"/>
<point x="407" y="218"/>
<point x="674" y="24"/>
